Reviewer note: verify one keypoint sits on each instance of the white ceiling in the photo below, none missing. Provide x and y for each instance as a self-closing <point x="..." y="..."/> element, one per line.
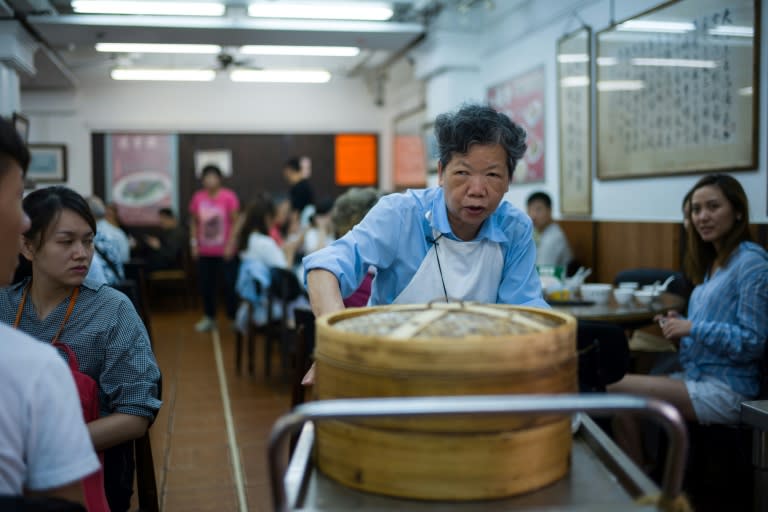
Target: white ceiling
<point x="67" y="55"/>
<point x="67" y="39"/>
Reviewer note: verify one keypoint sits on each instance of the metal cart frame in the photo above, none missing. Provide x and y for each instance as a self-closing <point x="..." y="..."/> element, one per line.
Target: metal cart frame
<point x="624" y="470"/>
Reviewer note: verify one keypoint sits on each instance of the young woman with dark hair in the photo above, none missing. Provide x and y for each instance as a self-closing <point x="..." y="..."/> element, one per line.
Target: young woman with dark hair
<point x="722" y="341"/>
<point x="98" y="323"/>
<point x="214" y="211"/>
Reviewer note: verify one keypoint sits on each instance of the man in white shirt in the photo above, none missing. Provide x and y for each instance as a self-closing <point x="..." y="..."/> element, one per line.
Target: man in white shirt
<point x="552" y="247"/>
<point x="45" y="447"/>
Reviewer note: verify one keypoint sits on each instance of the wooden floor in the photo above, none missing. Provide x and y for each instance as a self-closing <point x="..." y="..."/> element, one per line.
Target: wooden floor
<point x="195" y="455"/>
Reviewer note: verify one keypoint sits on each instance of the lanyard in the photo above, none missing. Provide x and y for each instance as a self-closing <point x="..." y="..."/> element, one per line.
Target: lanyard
<point x="72" y="301"/>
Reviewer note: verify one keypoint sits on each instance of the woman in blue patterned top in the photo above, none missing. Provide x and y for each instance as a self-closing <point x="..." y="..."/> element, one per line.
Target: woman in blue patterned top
<point x="722" y="341"/>
<point x="102" y="328"/>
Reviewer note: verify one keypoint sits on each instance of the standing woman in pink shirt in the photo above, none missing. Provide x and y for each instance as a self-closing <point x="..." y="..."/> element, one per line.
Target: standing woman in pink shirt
<point x="213" y="211"/>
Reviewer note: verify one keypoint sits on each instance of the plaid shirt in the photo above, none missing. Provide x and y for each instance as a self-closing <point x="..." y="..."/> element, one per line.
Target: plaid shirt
<point x="729" y="316"/>
<point x="109" y="340"/>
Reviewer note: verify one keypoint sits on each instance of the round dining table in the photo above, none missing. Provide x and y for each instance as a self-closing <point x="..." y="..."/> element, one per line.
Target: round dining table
<point x="633" y="313"/>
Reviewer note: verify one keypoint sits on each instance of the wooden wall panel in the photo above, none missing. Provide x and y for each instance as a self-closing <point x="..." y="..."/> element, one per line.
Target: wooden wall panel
<point x="581" y="236"/>
<point x="623" y="245"/>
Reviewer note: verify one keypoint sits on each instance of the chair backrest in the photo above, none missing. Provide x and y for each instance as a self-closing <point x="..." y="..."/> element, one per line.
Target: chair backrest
<point x="305" y="347"/>
<point x="644" y="276"/>
<point x="284" y="285"/>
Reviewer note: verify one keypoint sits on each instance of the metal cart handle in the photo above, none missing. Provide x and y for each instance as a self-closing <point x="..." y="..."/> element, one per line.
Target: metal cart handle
<point x="597" y="405"/>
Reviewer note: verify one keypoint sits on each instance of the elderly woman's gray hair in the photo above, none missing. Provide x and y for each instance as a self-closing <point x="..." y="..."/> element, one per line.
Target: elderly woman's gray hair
<point x="351" y="206"/>
<point x="97" y="207"/>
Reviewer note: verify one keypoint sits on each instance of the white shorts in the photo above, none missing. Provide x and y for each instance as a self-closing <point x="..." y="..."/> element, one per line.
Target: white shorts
<point x="712" y="399"/>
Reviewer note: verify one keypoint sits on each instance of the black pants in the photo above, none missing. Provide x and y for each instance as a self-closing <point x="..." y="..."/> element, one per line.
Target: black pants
<point x="209" y="268"/>
<point x="119" y="467"/>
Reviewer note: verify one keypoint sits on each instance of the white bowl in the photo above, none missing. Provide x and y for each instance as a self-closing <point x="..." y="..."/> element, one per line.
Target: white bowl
<point x="599" y="293"/>
<point x="623" y="295"/>
<point x="630" y="285"/>
<point x="644" y="296"/>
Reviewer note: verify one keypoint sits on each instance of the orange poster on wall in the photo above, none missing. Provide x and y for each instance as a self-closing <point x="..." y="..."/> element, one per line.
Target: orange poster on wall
<point x="356" y="160"/>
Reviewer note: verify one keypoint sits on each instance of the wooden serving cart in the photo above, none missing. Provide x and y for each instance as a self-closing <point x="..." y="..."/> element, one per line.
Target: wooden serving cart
<point x="601" y="476"/>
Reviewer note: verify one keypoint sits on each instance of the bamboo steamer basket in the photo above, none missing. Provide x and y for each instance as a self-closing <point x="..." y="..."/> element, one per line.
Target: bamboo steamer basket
<point x="445" y="349"/>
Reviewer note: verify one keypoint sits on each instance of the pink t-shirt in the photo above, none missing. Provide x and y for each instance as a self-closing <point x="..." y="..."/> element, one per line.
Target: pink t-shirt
<point x="214" y="219"/>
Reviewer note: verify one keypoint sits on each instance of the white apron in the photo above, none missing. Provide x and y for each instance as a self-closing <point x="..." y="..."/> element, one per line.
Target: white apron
<point x="471" y="271"/>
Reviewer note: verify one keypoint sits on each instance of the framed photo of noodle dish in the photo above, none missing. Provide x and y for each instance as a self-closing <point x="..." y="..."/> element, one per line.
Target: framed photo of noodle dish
<point x="48" y="163"/>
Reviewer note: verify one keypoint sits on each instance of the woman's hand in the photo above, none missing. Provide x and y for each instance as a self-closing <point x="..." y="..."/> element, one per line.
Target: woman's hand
<point x="675" y="327"/>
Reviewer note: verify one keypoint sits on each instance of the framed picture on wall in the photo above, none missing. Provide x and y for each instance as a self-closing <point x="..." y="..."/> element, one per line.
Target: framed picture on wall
<point x="48" y="163"/>
<point x="221" y="158"/>
<point x="522" y="99"/>
<point x="677" y="90"/>
<point x="21" y="124"/>
<point x="575" y="121"/>
<point x="410" y="168"/>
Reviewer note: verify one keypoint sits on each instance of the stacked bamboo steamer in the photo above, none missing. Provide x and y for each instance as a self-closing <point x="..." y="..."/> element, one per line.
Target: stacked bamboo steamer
<point x="445" y="350"/>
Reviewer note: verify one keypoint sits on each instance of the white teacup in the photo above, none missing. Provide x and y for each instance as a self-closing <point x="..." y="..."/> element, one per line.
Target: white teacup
<point x="629" y="285"/>
<point x="622" y="296"/>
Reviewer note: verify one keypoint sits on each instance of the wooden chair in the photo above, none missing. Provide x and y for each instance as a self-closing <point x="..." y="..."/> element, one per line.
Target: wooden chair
<point x="146" y="481"/>
<point x="284" y="288"/>
<point x="181" y="278"/>
<point x="305" y="347"/>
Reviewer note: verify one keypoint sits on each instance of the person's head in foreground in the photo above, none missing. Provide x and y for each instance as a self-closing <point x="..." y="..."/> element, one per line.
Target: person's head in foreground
<point x="478" y="150"/>
<point x="14" y="160"/>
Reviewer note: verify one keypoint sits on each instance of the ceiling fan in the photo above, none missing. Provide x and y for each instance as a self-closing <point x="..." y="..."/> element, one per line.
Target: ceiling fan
<point x="226" y="61"/>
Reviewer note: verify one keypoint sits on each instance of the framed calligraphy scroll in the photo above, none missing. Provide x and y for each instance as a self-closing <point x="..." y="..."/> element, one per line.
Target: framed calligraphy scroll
<point x="677" y="90"/>
<point x="522" y="99"/>
<point x="574" y="119"/>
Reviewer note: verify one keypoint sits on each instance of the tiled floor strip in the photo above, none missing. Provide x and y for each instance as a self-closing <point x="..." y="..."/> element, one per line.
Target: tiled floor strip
<point x="234" y="449"/>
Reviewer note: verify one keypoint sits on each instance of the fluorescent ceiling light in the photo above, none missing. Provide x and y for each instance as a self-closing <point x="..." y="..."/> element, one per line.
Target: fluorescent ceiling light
<point x="148" y="8"/>
<point x="178" y="75"/>
<point x="308" y="76"/>
<point x="676" y="63"/>
<point x="574" y="81"/>
<point x="157" y="48"/>
<point x="567" y="58"/>
<point x="323" y="51"/>
<point x="732" y="30"/>
<point x="607" y="61"/>
<point x="679" y="27"/>
<point x="620" y="85"/>
<point x="324" y="11"/>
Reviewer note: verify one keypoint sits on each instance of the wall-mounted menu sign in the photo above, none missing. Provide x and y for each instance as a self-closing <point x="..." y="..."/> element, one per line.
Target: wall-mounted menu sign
<point x="677" y="90"/>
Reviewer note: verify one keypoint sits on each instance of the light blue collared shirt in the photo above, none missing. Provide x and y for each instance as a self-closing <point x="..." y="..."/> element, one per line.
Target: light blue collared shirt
<point x="393" y="238"/>
<point x="729" y="316"/>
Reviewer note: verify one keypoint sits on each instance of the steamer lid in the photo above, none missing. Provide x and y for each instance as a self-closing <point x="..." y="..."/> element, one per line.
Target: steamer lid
<point x="452" y="320"/>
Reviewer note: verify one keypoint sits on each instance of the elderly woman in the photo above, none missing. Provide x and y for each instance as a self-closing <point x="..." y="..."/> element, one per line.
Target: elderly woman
<point x="722" y="341"/>
<point x="98" y="323"/>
